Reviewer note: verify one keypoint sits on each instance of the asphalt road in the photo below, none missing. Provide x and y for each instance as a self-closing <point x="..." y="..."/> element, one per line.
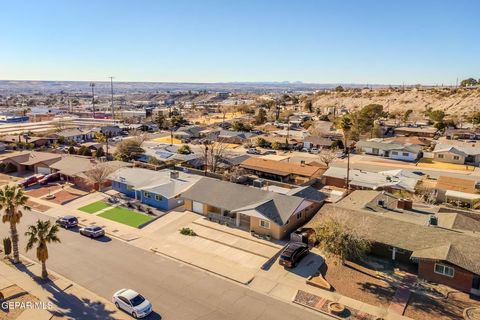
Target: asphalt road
<point x="176" y="291"/>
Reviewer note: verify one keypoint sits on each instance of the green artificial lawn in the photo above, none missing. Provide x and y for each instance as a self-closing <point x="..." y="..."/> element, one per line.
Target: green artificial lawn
<point x="94" y="207"/>
<point x="125" y="216"/>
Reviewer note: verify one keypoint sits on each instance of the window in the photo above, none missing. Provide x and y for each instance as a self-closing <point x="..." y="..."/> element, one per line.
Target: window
<point x="146" y="194"/>
<point x="405" y="154"/>
<point x="456" y="158"/>
<point x="440" y="156"/>
<point x="394" y="153"/>
<point x="265" y="224"/>
<point x="444" y="270"/>
<point x="158" y="198"/>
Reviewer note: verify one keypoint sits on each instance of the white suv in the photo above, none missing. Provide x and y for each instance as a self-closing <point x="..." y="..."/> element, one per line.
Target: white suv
<point x="132" y="302"/>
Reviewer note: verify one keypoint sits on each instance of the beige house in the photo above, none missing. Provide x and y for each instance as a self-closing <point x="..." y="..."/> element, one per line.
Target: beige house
<point x="265" y="213"/>
<point x="458" y="153"/>
<point x="450" y="155"/>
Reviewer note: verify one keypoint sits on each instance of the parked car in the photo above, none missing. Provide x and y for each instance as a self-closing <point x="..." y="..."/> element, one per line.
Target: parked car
<point x="314" y="150"/>
<point x="304" y="150"/>
<point x="92" y="231"/>
<point x="50" y="178"/>
<point x="31" y="180"/>
<point x="253" y="151"/>
<point x="67" y="222"/>
<point x="292" y="254"/>
<point x="132" y="302"/>
<point x="269" y="152"/>
<point x="341" y="155"/>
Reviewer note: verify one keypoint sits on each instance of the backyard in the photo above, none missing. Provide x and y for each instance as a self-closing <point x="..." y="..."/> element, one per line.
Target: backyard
<point x="126" y="216"/>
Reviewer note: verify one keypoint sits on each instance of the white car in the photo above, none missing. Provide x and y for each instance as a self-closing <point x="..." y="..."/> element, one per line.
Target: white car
<point x="132" y="302"/>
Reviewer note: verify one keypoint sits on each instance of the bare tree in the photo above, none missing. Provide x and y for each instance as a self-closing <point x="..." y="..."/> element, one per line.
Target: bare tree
<point x="327" y="156"/>
<point x="234" y="174"/>
<point x="213" y="153"/>
<point x="99" y="174"/>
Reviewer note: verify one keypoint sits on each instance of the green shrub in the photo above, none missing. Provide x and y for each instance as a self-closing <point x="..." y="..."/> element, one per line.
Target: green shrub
<point x="188" y="232"/>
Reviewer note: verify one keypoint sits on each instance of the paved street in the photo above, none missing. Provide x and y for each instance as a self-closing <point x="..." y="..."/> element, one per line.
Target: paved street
<point x="177" y="291"/>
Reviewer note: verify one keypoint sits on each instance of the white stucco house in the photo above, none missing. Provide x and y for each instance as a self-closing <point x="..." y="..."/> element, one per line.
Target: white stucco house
<point x="390" y="149"/>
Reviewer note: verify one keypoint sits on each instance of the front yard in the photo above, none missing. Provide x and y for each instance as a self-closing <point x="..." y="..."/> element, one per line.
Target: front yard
<point x="360" y="283"/>
<point x="94" y="207"/>
<point x="126" y="216"/>
<point x="429" y="163"/>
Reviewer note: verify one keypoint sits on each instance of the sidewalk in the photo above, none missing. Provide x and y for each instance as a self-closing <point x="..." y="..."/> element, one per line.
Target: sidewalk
<point x="69" y="300"/>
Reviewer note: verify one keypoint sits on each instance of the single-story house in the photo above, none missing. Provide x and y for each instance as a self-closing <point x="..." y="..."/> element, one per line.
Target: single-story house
<point x="423" y="142"/>
<point x="236" y="137"/>
<point x="160" y="189"/>
<point x="261" y="212"/>
<point x="112" y="131"/>
<point x="188" y="132"/>
<point x="425" y="132"/>
<point x="76" y="134"/>
<point x="32" y="161"/>
<point x="75" y="169"/>
<point x="459" y="153"/>
<point x="318" y="142"/>
<point x="462" y="133"/>
<point x="457" y="190"/>
<point x="367" y="180"/>
<point x="445" y="255"/>
<point x="390" y="149"/>
<point x="282" y="171"/>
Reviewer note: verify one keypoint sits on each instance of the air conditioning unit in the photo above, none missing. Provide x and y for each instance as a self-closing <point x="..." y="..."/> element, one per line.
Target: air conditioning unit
<point x="258" y="183"/>
<point x="433" y="221"/>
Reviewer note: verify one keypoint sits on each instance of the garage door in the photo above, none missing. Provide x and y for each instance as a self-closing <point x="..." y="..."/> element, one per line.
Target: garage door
<point x="197" y="207"/>
<point x="43" y="170"/>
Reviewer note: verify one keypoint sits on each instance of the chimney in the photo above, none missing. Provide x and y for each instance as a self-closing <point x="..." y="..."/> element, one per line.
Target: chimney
<point x="433" y="221"/>
<point x="174" y="174"/>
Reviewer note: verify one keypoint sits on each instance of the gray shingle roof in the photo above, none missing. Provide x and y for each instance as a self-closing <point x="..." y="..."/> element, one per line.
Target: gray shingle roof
<point x="235" y="197"/>
<point x="390" y="228"/>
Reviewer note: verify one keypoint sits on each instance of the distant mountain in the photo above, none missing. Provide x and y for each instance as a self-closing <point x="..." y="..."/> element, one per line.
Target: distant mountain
<point x="30" y="87"/>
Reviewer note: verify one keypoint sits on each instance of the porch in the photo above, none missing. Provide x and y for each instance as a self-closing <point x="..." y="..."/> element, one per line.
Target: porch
<point x="230" y="219"/>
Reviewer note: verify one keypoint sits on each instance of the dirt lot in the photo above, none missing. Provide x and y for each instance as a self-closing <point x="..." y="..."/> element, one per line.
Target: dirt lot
<point x="41" y="191"/>
<point x="359" y="285"/>
<point x="37" y="206"/>
<point x="12" y="294"/>
<point x="422" y="307"/>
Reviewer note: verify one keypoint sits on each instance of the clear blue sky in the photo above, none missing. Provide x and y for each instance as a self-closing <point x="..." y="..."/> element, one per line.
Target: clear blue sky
<point x="388" y="42"/>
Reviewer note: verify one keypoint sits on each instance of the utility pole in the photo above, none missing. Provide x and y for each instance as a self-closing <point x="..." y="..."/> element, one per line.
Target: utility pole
<point x="92" y="85"/>
<point x="111" y="91"/>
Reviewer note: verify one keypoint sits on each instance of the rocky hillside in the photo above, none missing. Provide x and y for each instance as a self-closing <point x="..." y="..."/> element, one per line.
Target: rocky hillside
<point x="458" y="102"/>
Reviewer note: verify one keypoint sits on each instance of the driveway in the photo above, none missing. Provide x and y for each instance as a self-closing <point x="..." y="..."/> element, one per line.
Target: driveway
<point x="176" y="290"/>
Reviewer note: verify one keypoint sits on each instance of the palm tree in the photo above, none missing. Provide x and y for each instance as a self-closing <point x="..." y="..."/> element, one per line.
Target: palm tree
<point x="346" y="126"/>
<point x="11" y="198"/>
<point x="41" y="233"/>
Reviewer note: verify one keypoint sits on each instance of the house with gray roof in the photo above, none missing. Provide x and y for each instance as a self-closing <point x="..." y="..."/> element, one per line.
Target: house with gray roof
<point x="160" y="189"/>
<point x="457" y="152"/>
<point x="259" y="211"/>
<point x="390" y="149"/>
<point x="442" y="244"/>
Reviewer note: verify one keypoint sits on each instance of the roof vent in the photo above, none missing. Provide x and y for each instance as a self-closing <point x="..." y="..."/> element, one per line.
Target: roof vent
<point x="174" y="174"/>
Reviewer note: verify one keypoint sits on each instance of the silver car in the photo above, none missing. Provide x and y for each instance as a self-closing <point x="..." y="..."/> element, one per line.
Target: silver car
<point x="132" y="302"/>
<point x="92" y="231"/>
